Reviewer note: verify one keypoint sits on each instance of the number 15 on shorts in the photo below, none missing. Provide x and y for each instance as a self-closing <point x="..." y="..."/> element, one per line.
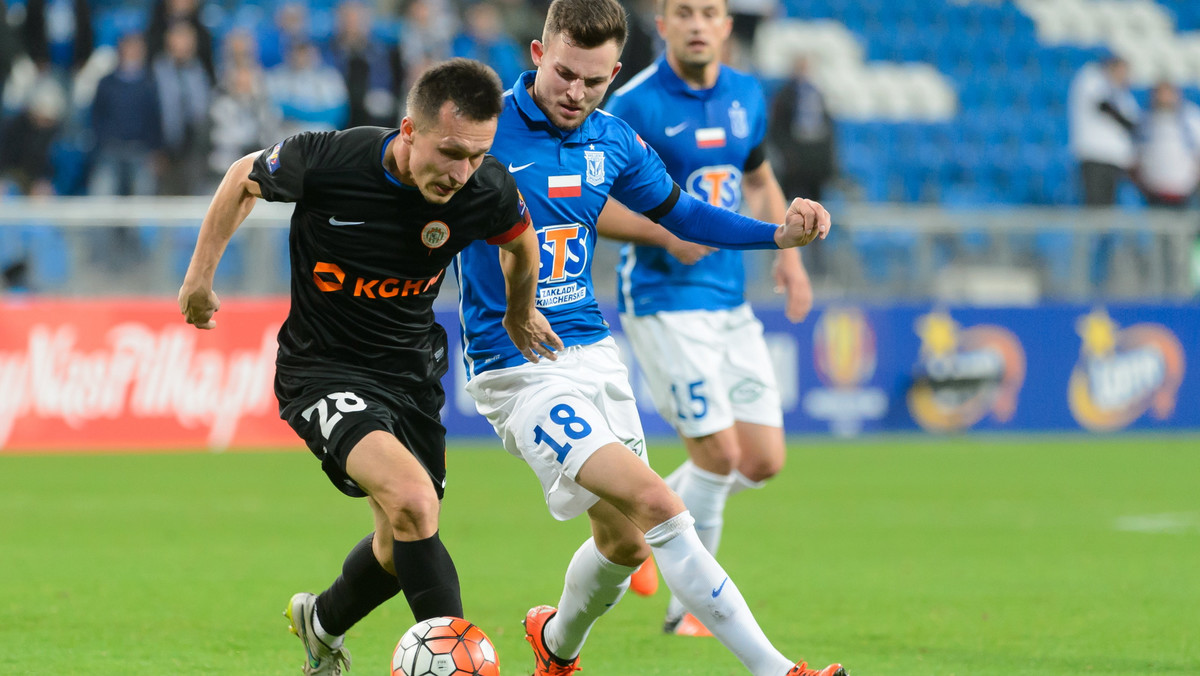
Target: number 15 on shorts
<point x="567" y="424"/>
<point x="690" y="401"/>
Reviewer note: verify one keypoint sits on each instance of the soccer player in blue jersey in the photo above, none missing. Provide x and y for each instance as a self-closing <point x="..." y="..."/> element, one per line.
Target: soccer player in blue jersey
<point x="695" y="337"/>
<point x="573" y="419"/>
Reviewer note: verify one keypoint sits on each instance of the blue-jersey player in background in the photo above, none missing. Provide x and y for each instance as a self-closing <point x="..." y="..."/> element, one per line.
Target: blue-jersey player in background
<point x="695" y="337"/>
<point x="573" y="419"/>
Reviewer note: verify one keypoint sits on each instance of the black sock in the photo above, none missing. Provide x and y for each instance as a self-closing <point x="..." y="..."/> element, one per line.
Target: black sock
<point x="363" y="586"/>
<point x="428" y="578"/>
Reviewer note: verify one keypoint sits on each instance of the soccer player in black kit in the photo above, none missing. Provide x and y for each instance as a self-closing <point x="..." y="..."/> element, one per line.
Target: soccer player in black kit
<point x="379" y="215"/>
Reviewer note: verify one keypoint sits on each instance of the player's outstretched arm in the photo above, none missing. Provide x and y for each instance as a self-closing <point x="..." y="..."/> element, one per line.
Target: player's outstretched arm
<point x="765" y="199"/>
<point x="701" y="222"/>
<point x="526" y="327"/>
<point x="619" y="223"/>
<point x="234" y="199"/>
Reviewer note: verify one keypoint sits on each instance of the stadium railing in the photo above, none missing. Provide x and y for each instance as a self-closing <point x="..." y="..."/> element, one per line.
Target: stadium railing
<point x="82" y="247"/>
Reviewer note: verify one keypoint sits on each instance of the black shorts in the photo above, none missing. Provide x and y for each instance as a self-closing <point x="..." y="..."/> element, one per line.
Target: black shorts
<point x="332" y="415"/>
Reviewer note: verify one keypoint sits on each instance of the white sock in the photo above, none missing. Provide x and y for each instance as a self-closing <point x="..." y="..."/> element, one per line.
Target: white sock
<point x="676" y="479"/>
<point x="593" y="586"/>
<point x="741" y="482"/>
<point x="334" y="642"/>
<point x="704" y="496"/>
<point x="707" y="592"/>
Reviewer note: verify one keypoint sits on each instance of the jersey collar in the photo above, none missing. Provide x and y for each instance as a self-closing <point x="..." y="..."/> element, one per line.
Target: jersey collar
<point x="671" y="82"/>
<point x="383" y="165"/>
<point x="534" y="117"/>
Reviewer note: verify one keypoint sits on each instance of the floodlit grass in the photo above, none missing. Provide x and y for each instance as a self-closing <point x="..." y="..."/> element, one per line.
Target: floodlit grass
<point x="965" y="556"/>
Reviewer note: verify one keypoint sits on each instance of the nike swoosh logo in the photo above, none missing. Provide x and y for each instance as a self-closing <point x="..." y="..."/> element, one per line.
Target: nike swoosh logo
<point x="513" y="170"/>
<point x="672" y="131"/>
<point x="717" y="592"/>
<point x="334" y="221"/>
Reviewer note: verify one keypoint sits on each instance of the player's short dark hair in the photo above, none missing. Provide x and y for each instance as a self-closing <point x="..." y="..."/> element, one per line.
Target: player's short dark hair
<point x="472" y="86"/>
<point x="587" y="23"/>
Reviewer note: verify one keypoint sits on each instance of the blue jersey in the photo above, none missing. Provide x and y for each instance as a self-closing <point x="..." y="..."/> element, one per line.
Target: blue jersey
<point x="707" y="139"/>
<point x="565" y="178"/>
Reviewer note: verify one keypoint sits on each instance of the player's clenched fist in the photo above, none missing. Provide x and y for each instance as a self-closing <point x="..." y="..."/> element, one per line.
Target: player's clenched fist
<point x="806" y="220"/>
<point x="198" y="304"/>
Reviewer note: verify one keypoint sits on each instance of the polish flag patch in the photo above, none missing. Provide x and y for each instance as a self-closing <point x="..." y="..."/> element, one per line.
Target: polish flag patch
<point x="566" y="186"/>
<point x="710" y="137"/>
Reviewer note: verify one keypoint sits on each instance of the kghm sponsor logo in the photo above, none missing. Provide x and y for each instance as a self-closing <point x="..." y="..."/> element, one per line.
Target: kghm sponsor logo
<point x="1123" y="374"/>
<point x="330" y="278"/>
<point x="963" y="374"/>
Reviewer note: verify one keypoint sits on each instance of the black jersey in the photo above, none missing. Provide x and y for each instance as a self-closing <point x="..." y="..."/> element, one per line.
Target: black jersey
<point x="368" y="254"/>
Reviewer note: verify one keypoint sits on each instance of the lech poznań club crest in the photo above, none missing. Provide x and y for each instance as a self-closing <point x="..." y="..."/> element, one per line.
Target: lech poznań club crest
<point x="739" y="121"/>
<point x="595" y="166"/>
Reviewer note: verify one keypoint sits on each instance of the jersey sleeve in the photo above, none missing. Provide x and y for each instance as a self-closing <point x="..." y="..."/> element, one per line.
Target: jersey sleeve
<point x="512" y="216"/>
<point x="643" y="184"/>
<point x="279" y="170"/>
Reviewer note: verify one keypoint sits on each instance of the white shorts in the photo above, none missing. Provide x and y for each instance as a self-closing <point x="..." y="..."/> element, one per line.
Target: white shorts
<point x="706" y="369"/>
<point x="555" y="414"/>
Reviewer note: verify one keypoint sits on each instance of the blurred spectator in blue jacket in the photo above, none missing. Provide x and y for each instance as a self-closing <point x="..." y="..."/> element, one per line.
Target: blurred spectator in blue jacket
<point x="58" y="33"/>
<point x="167" y="13"/>
<point x="372" y="70"/>
<point x="26" y="140"/>
<point x="184" y="92"/>
<point x="310" y="94"/>
<point x="127" y="125"/>
<point x="290" y="27"/>
<point x="1168" y="169"/>
<point x="483" y="38"/>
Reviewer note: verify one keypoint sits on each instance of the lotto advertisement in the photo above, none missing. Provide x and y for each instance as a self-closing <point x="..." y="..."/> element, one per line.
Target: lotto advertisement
<point x="131" y="375"/>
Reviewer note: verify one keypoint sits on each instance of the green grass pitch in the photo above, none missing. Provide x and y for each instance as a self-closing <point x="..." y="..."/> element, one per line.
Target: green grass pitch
<point x="965" y="556"/>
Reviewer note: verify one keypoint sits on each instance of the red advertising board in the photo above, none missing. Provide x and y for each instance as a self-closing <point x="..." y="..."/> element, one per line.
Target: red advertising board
<point x="131" y="375"/>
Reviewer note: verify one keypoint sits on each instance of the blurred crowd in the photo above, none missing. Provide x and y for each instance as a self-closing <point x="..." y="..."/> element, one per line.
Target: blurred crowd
<point x="167" y="107"/>
<point x="165" y="103"/>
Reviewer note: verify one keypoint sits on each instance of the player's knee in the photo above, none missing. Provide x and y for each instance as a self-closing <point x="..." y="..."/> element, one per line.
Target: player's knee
<point x="715" y="454"/>
<point x="656" y="503"/>
<point x="762" y="469"/>
<point x="412" y="512"/>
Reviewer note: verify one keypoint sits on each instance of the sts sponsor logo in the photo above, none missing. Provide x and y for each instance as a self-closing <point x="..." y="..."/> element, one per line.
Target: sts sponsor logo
<point x="963" y="374"/>
<point x="720" y="186"/>
<point x="845" y="356"/>
<point x="1122" y="374"/>
<point x="565" y="254"/>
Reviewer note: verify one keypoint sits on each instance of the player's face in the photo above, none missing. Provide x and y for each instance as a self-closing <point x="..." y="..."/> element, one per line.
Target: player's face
<point x="443" y="153"/>
<point x="571" y="81"/>
<point x="695" y="30"/>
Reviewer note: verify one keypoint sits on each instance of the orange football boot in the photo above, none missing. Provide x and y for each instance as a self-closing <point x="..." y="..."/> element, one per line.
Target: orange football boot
<point x="644" y="581"/>
<point x="545" y="663"/>
<point x="801" y="669"/>
<point x="687" y="625"/>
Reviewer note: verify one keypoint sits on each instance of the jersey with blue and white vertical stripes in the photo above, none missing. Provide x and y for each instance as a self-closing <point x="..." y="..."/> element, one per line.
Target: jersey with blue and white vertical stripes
<point x="565" y="178"/>
<point x="707" y="139"/>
